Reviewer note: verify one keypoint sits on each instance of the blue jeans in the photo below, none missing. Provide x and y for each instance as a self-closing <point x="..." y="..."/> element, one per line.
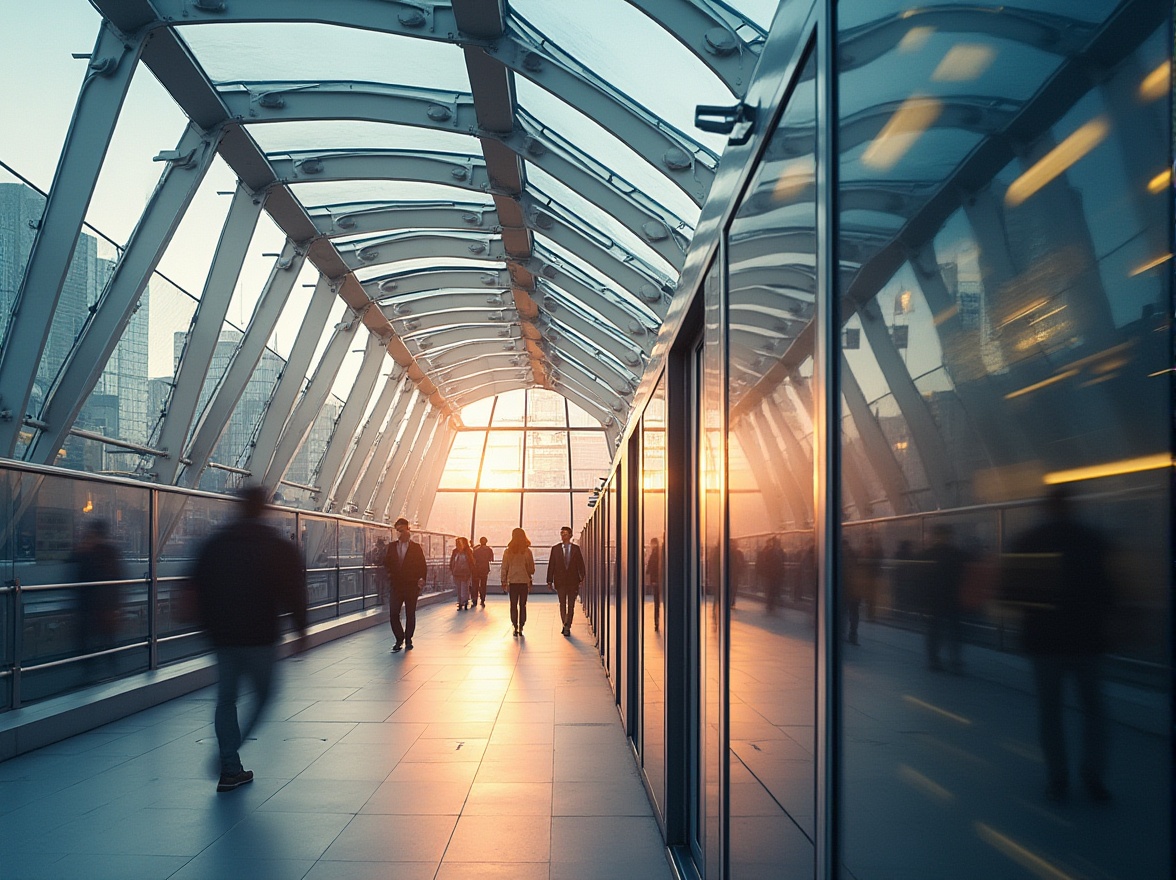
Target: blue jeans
<point x="234" y="663"/>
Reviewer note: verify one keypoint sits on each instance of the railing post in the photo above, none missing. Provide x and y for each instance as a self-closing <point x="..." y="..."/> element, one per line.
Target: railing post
<point x="152" y="579"/>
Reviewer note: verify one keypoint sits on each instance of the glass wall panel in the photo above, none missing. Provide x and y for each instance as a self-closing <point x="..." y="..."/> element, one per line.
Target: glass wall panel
<point x="591" y="458"/>
<point x="465" y="458"/>
<point x="713" y="617"/>
<point x="451" y="512"/>
<point x="503" y="466"/>
<point x="320" y="554"/>
<point x="545" y="409"/>
<point x="546" y="460"/>
<point x="497" y="514"/>
<point x="1006" y="447"/>
<point x="653" y="540"/>
<point x="510" y="410"/>
<point x="772" y="679"/>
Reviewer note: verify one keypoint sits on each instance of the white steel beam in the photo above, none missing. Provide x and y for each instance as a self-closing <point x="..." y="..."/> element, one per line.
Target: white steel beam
<point x="311" y="403"/>
<point x="293" y="375"/>
<point x="418" y="505"/>
<point x="727" y="43"/>
<point x="245" y="359"/>
<point x="207" y="323"/>
<point x="399" y="466"/>
<point x="112" y="64"/>
<point x="348" y="421"/>
<point x="185" y="169"/>
<point x="335" y="498"/>
<point x="365" y="484"/>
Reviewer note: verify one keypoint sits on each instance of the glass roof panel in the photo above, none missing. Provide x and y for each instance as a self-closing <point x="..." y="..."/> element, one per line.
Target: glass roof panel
<point x="477" y="415"/>
<point x="597" y="219"/>
<point x="635" y="42"/>
<point x="348" y="134"/>
<point x="578" y="128"/>
<point x="268" y="51"/>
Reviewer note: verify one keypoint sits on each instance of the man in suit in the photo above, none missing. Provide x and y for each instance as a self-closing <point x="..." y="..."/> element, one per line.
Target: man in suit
<point x="407" y="569"/>
<point x="565" y="573"/>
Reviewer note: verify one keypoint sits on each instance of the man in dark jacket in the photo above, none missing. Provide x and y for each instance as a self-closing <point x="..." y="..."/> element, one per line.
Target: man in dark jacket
<point x="407" y="571"/>
<point x="483" y="558"/>
<point x="565" y="573"/>
<point x="247" y="575"/>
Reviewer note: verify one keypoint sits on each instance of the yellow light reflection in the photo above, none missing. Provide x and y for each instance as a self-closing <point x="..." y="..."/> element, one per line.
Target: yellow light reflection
<point x="964" y="63"/>
<point x="927" y="786"/>
<point x="1110" y="469"/>
<point x="922" y="704"/>
<point x="1057" y="161"/>
<point x="1160" y="182"/>
<point x="946" y="315"/>
<point x="89" y="506"/>
<point x="1151" y="264"/>
<point x="1044" y="383"/>
<point x="1024" y="857"/>
<point x="915" y="39"/>
<point x="915" y="116"/>
<point x="795" y="177"/>
<point x="1155" y="84"/>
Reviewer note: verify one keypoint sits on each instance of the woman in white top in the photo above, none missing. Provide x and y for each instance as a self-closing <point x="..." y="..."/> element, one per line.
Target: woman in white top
<point x="517" y="567"/>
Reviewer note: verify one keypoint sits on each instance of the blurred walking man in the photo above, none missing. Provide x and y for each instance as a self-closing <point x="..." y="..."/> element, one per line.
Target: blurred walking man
<point x="247" y="575"/>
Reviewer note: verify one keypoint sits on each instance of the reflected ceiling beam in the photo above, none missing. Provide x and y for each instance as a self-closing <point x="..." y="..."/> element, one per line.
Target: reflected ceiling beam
<point x="878" y="451"/>
<point x="728" y="43"/>
<point x="1056" y="34"/>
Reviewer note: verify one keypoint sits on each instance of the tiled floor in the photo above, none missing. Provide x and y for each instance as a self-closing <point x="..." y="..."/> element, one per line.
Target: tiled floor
<point x="474" y="756"/>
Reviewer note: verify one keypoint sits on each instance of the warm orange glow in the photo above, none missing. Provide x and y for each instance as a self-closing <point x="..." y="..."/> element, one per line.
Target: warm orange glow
<point x="795" y="177"/>
<point x="909" y="122"/>
<point x="915" y="39"/>
<point x="1151" y="264"/>
<point x="1057" y="161"/>
<point x="1024" y="857"/>
<point x="964" y="63"/>
<point x="1110" y="469"/>
<point x="1156" y="84"/>
<point x="1160" y="182"/>
<point x="1044" y="383"/>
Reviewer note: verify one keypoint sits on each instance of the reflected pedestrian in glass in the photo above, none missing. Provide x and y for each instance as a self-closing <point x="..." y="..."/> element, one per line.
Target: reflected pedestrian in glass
<point x="1059" y="573"/>
<point x="943" y="574"/>
<point x="461" y="566"/>
<point x="518" y="567"/>
<point x="97" y="568"/>
<point x="247" y="575"/>
<point x="483" y="557"/>
<point x="653" y="577"/>
<point x="770" y="567"/>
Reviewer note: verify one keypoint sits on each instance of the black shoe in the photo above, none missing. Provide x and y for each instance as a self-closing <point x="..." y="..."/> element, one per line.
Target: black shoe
<point x="230" y="781"/>
<point x="397" y="647"/>
<point x="516" y="632"/>
<point x="408" y="645"/>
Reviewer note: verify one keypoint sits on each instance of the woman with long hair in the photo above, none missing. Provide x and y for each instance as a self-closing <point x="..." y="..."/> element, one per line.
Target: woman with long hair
<point x="461" y="566"/>
<point x="517" y="567"/>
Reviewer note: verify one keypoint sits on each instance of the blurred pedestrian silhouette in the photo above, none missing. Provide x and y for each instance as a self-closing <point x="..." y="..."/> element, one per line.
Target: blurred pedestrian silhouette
<point x="483" y="557"/>
<point x="518" y="566"/>
<point x="770" y="570"/>
<point x="461" y="566"/>
<point x="407" y="570"/>
<point x="653" y="579"/>
<point x="942" y="574"/>
<point x="375" y="558"/>
<point x="851" y="596"/>
<point x="97" y="568"/>
<point x="1059" y="576"/>
<point x="565" y="573"/>
<point x="247" y="575"/>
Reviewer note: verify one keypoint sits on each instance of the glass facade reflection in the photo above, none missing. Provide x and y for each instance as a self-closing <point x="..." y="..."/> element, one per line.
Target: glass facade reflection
<point x="1005" y="392"/>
